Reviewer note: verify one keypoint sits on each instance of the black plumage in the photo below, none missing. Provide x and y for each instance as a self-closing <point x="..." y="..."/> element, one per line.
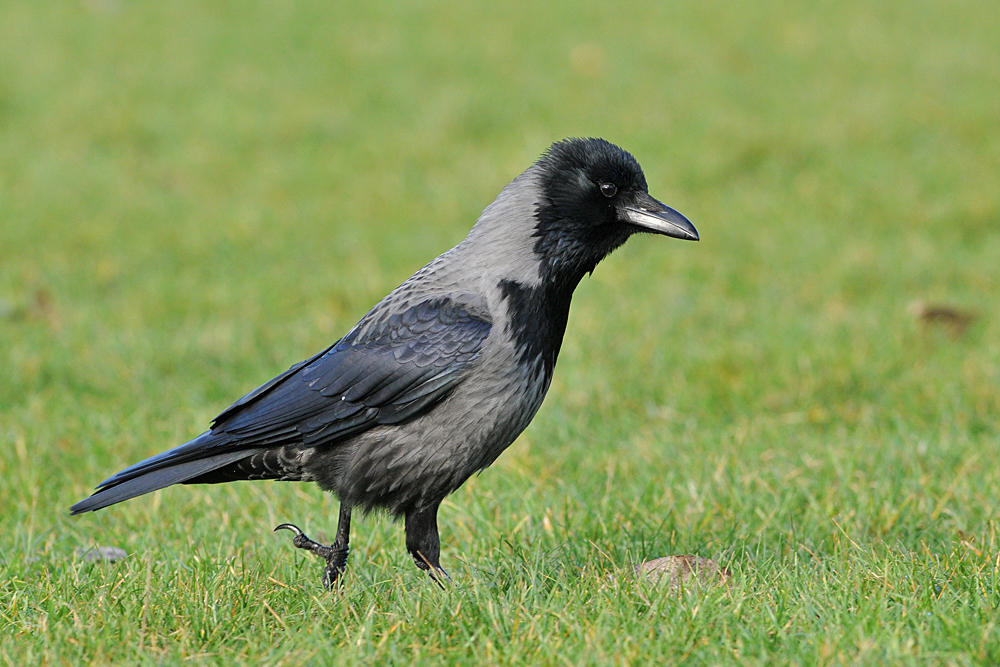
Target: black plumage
<point x="441" y="375"/>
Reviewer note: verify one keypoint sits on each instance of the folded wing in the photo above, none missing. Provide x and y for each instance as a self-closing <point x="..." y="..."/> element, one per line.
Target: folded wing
<point x="392" y="367"/>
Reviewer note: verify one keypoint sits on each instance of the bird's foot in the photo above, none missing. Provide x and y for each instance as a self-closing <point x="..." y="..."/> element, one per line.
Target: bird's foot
<point x="439" y="576"/>
<point x="334" y="555"/>
<point x="434" y="570"/>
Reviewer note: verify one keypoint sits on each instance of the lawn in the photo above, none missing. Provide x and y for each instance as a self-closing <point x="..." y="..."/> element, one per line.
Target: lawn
<point x="194" y="196"/>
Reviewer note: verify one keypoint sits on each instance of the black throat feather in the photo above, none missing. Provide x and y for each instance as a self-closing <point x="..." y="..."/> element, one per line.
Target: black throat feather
<point x="575" y="228"/>
<point x="567" y="250"/>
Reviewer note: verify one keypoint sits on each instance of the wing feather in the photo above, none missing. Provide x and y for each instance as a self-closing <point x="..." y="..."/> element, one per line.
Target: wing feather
<point x="387" y="370"/>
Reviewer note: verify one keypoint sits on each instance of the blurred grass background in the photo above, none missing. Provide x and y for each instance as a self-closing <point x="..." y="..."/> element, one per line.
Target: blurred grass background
<point x="194" y="196"/>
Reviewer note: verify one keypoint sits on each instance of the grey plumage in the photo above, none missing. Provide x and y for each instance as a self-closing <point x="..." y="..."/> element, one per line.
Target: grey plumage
<point x="442" y="374"/>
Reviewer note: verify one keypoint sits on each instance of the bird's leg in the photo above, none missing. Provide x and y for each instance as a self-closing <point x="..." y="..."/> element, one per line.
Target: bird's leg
<point x="423" y="543"/>
<point x="336" y="563"/>
<point x="335" y="555"/>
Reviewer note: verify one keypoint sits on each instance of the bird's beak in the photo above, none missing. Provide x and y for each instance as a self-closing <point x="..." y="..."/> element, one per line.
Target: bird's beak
<point x="657" y="217"/>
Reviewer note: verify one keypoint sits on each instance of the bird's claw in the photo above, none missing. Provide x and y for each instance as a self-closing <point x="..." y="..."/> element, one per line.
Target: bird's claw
<point x="336" y="558"/>
<point x="303" y="541"/>
<point x="437" y="573"/>
<point x="439" y="576"/>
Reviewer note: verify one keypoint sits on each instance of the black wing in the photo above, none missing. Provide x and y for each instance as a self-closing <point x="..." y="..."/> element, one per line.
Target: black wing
<point x="390" y="368"/>
<point x="384" y="372"/>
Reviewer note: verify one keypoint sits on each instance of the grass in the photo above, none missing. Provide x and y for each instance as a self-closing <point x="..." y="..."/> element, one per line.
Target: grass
<point x="194" y="196"/>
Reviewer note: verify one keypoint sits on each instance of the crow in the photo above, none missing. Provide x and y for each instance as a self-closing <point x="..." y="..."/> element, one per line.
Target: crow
<point x="441" y="376"/>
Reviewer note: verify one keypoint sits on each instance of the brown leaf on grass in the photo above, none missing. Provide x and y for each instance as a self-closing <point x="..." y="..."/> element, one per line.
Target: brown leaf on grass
<point x="954" y="320"/>
<point x="43" y="307"/>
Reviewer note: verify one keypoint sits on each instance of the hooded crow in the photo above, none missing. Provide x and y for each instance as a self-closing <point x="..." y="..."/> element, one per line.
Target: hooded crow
<point x="442" y="374"/>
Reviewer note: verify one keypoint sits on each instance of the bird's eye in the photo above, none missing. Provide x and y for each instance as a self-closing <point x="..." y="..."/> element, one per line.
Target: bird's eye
<point x="608" y="190"/>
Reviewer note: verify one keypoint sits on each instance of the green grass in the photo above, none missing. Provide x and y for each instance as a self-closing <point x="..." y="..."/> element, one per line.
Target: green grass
<point x="194" y="196"/>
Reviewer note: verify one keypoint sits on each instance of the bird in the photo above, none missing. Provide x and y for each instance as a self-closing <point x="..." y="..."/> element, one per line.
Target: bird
<point x="441" y="375"/>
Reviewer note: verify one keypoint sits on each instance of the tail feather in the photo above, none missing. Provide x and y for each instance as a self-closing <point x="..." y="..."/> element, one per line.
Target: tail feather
<point x="207" y="459"/>
<point x="204" y="454"/>
<point x="153" y="481"/>
<point x="205" y="445"/>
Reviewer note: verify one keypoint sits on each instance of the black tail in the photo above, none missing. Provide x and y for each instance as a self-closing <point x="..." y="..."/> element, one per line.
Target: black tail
<point x="204" y="454"/>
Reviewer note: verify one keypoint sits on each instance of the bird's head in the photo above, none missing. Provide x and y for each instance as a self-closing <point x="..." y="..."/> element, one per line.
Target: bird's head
<point x="593" y="198"/>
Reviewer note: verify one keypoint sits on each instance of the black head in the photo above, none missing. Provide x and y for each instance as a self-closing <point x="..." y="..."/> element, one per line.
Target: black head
<point x="594" y="196"/>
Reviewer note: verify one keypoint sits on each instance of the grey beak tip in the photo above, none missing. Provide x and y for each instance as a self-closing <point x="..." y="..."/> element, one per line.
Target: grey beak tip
<point x="661" y="219"/>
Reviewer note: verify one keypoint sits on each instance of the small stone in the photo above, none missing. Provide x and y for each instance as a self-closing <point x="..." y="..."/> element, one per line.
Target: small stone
<point x="109" y="554"/>
<point x="683" y="571"/>
<point x="11" y="311"/>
